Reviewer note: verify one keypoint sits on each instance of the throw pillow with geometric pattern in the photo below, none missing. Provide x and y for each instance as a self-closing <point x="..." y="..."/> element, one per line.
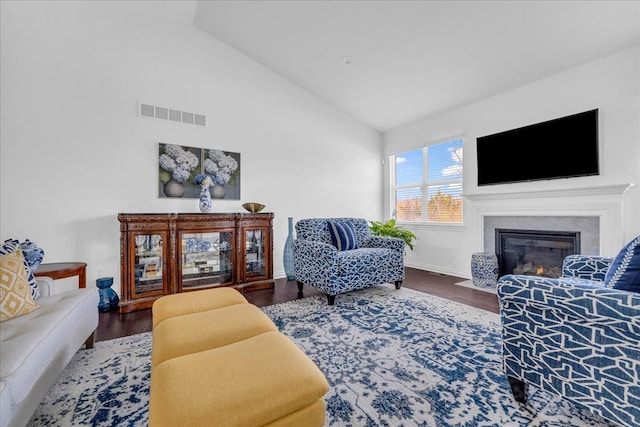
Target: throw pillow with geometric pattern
<point x="15" y="293"/>
<point x="12" y="245"/>
<point x="624" y="273"/>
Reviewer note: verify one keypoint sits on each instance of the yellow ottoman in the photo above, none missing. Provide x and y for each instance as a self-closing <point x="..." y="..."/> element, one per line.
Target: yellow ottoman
<point x="192" y="333"/>
<point x="194" y="302"/>
<point x="263" y="380"/>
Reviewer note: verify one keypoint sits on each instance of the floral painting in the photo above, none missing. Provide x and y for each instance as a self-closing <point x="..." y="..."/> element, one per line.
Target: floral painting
<point x="182" y="169"/>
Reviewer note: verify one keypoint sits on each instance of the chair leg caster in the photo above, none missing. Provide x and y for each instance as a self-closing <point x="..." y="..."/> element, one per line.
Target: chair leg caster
<point x="331" y="299"/>
<point x="519" y="389"/>
<point x="398" y="284"/>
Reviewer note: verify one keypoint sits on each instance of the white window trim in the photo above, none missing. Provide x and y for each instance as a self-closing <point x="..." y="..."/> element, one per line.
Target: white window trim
<point x="423" y="188"/>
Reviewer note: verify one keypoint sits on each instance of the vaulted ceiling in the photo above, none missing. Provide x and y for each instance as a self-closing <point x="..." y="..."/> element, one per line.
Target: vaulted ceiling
<point x="389" y="63"/>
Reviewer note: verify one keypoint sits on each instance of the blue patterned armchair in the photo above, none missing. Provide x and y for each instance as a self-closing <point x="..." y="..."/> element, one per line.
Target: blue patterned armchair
<point x="574" y="337"/>
<point x="318" y="262"/>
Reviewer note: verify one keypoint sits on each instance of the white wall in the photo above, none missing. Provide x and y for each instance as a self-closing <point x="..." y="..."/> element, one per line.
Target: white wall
<point x="74" y="153"/>
<point x="611" y="84"/>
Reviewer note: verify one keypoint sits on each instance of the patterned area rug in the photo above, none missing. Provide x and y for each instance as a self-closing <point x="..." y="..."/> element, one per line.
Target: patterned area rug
<point x="392" y="358"/>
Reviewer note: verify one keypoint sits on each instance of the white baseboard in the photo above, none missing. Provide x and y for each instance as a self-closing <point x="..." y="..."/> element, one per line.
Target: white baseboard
<point x="437" y="269"/>
<point x="469" y="284"/>
<point x="280" y="274"/>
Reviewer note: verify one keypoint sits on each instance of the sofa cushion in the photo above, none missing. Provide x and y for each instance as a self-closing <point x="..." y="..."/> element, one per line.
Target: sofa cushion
<point x="29" y="343"/>
<point x="15" y="293"/>
<point x="343" y="235"/>
<point x="11" y="246"/>
<point x="253" y="382"/>
<point x="364" y="260"/>
<point x="194" y="302"/>
<point x="191" y="333"/>
<point x="624" y="273"/>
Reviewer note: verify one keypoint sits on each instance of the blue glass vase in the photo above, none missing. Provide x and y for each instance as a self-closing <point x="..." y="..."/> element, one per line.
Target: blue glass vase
<point x="288" y="253"/>
<point x="108" y="298"/>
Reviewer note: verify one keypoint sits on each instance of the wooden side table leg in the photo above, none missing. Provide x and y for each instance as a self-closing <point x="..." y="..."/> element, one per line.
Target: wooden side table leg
<point x="82" y="277"/>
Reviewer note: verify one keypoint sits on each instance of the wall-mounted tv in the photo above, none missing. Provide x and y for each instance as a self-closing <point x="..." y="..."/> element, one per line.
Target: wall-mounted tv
<point x="560" y="148"/>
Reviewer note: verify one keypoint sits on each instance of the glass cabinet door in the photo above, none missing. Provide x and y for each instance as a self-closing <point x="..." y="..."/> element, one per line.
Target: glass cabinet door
<point x="206" y="259"/>
<point x="148" y="264"/>
<point x="254" y="256"/>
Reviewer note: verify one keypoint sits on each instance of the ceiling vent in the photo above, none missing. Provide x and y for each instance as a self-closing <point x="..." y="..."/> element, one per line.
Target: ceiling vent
<point x="164" y="113"/>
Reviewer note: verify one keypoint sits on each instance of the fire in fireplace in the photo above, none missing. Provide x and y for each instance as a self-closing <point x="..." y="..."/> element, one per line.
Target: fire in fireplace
<point x="534" y="252"/>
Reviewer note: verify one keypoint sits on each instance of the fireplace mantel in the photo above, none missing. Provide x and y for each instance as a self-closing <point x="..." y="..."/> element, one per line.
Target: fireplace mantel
<point x="618" y="189"/>
<point x="604" y="202"/>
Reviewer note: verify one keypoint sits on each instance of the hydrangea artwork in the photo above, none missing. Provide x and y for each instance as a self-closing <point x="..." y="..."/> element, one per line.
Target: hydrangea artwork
<point x="220" y="166"/>
<point x="180" y="166"/>
<point x="178" y="161"/>
<point x="176" y="165"/>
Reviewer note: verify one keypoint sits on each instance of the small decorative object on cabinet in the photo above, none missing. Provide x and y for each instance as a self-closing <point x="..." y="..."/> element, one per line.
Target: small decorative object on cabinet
<point x="484" y="269"/>
<point x="288" y="253"/>
<point x="168" y="253"/>
<point x="253" y="207"/>
<point x="205" y="182"/>
<point x="108" y="298"/>
<point x="205" y="199"/>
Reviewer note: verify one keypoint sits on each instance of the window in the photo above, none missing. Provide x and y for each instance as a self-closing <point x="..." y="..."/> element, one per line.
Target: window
<point x="426" y="184"/>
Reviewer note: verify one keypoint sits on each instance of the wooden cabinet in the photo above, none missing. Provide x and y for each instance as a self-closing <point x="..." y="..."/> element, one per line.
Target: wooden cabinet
<point x="167" y="253"/>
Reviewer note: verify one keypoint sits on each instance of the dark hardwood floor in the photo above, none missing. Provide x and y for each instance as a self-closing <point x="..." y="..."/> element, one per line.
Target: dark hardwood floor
<point x="114" y="325"/>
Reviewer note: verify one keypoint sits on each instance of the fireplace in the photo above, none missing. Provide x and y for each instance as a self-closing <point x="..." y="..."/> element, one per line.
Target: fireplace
<point x="534" y="252"/>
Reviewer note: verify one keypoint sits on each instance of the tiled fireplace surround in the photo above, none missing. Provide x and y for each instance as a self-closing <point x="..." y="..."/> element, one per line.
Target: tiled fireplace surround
<point x="596" y="212"/>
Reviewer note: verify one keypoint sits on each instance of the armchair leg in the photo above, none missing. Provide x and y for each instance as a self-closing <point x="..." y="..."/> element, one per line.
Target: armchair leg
<point x="331" y="299"/>
<point x="300" y="285"/>
<point x="519" y="389"/>
<point x="398" y="284"/>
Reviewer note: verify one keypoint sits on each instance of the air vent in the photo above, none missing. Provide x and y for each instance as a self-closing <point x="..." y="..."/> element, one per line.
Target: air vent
<point x="164" y="113"/>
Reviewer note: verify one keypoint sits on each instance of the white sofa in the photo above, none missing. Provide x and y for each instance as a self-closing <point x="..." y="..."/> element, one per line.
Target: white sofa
<point x="36" y="347"/>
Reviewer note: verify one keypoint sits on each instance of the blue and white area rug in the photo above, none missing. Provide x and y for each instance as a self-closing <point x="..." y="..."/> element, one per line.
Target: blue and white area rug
<point x="392" y="358"/>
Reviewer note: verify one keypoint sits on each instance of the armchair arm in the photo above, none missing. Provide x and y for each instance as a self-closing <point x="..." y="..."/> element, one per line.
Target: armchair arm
<point x="384" y="242"/>
<point x="589" y="267"/>
<point x="572" y="301"/>
<point x="315" y="263"/>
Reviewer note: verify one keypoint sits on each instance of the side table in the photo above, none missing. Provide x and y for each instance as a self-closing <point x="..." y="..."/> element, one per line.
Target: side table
<point x="61" y="270"/>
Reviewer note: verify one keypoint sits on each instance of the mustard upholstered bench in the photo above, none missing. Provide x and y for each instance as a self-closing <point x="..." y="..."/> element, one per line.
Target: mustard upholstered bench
<point x="219" y="361"/>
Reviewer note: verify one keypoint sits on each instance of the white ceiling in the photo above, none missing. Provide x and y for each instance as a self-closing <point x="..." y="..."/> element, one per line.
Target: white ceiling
<point x="413" y="59"/>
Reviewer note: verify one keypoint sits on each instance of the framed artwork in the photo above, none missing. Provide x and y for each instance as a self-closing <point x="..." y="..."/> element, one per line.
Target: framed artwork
<point x="178" y="167"/>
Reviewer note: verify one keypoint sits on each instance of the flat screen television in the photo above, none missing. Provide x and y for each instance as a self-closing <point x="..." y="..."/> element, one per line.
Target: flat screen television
<point x="560" y="148"/>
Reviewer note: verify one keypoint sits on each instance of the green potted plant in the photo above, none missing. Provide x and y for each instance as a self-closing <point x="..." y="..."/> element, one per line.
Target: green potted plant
<point x="390" y="229"/>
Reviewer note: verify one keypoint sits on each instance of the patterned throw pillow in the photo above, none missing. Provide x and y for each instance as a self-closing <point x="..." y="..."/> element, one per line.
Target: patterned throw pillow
<point x="15" y="293"/>
<point x="624" y="273"/>
<point x="343" y="235"/>
<point x="13" y="245"/>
